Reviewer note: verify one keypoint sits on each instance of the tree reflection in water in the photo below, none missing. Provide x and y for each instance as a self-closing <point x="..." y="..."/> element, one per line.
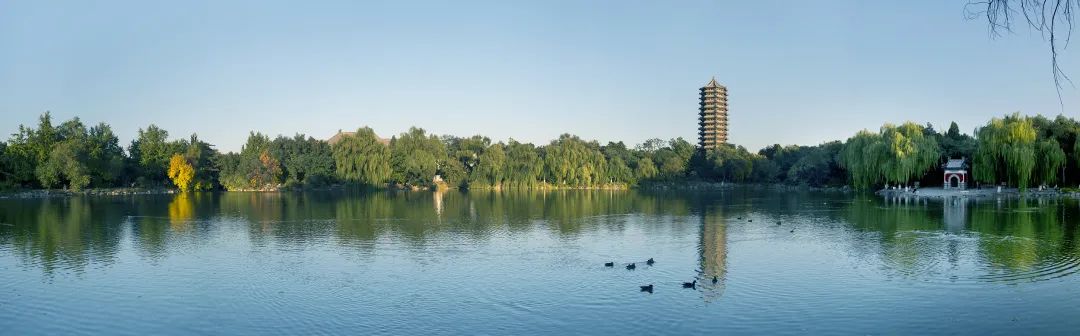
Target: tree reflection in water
<point x="911" y="237"/>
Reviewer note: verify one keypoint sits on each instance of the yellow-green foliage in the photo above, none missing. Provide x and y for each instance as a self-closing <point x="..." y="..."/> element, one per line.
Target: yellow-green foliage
<point x="861" y="157"/>
<point x="1006" y="150"/>
<point x="896" y="154"/>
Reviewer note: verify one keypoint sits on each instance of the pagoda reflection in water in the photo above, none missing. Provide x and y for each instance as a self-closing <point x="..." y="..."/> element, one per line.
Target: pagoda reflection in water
<point x="712" y="251"/>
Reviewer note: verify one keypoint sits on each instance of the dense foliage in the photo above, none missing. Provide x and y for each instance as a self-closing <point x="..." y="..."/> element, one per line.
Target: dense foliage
<point x="254" y="168"/>
<point x="361" y="159"/>
<point x="416" y="157"/>
<point x="69" y="155"/>
<point x="896" y="154"/>
<point x="1016" y="150"/>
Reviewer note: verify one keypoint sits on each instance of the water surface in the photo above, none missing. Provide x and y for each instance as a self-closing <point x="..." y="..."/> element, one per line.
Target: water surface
<point x="532" y="263"/>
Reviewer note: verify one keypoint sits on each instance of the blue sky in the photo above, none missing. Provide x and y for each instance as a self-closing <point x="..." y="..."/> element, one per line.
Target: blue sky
<point x="797" y="72"/>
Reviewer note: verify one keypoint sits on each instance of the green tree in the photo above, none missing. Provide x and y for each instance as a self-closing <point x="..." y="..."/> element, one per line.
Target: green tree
<point x="21" y="159"/>
<point x="819" y="166"/>
<point x="7" y="175"/>
<point x="1076" y="151"/>
<point x="1006" y="150"/>
<point x="28" y="149"/>
<point x="254" y="168"/>
<point x="202" y="156"/>
<point x="909" y="154"/>
<point x="305" y="160"/>
<point x="862" y="157"/>
<point x="1065" y="132"/>
<point x="467" y="150"/>
<point x="150" y="153"/>
<point x="415" y="157"/>
<point x="727" y="163"/>
<point x="1050" y="160"/>
<point x="229" y="175"/>
<point x="896" y="154"/>
<point x="44" y="138"/>
<point x="778" y="162"/>
<point x="682" y="148"/>
<point x="267" y="172"/>
<point x="620" y="159"/>
<point x="618" y="150"/>
<point x="362" y="159"/>
<point x="673" y="159"/>
<point x="645" y="169"/>
<point x="489" y="169"/>
<point x="453" y="174"/>
<point x="64" y="165"/>
<point x="105" y="157"/>
<point x="955" y="145"/>
<point x="570" y="161"/>
<point x="619" y="172"/>
<point x="524" y="166"/>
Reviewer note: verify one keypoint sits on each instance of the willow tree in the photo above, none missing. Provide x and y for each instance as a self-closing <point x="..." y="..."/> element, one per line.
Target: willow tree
<point x="645" y="169"/>
<point x="1051" y="158"/>
<point x="1006" y="150"/>
<point x="523" y="166"/>
<point x="619" y="171"/>
<point x="1076" y="151"/>
<point x="896" y="154"/>
<point x="489" y="167"/>
<point x="574" y="162"/>
<point x="862" y="157"/>
<point x="908" y="152"/>
<point x="415" y="157"/>
<point x="361" y="158"/>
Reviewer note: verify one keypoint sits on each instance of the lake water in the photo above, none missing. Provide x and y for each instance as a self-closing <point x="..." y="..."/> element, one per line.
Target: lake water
<point x="533" y="263"/>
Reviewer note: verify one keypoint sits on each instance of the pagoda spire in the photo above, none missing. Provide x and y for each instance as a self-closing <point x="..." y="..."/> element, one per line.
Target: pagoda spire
<point x="712" y="83"/>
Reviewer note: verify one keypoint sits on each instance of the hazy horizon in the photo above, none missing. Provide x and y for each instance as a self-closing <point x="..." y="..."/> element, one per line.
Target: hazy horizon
<point x="608" y="71"/>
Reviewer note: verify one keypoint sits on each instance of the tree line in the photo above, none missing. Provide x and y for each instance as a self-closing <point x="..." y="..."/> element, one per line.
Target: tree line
<point x="1017" y="150"/>
<point x="72" y="156"/>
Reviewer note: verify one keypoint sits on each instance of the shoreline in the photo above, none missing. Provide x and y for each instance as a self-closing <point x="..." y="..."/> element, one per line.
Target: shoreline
<point x="976" y="194"/>
<point x="56" y="193"/>
<point x="924" y="193"/>
<point x="111" y="192"/>
<point x="714" y="186"/>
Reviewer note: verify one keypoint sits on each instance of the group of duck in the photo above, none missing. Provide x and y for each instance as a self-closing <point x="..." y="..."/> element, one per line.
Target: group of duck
<point x="690" y="285"/>
<point x="649" y="287"/>
<point x="778" y="223"/>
